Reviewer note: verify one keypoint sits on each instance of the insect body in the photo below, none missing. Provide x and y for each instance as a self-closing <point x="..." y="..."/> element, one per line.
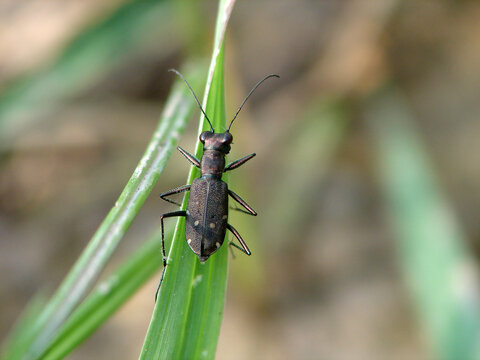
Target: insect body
<point x="207" y="209"/>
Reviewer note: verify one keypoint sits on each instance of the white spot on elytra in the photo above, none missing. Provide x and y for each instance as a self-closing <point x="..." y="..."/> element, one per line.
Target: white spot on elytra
<point x="212" y="225"/>
<point x="189" y="241"/>
<point x="217" y="244"/>
<point x="196" y="223"/>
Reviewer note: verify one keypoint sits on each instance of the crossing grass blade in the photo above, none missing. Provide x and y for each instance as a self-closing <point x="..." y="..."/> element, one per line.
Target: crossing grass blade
<point x="92" y="261"/>
<point x="188" y="312"/>
<point x="107" y="298"/>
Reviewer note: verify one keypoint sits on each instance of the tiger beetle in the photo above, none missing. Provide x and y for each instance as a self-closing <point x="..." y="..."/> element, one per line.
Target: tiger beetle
<point x="207" y="209"/>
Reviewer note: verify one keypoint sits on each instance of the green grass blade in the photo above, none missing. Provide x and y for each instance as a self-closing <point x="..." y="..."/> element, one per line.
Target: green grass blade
<point x="441" y="273"/>
<point x="92" y="261"/>
<point x="210" y="279"/>
<point x="187" y="316"/>
<point x="107" y="298"/>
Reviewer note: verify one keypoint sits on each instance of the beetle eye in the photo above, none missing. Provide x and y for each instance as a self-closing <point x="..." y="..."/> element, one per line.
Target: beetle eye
<point x="203" y="136"/>
<point x="227" y="138"/>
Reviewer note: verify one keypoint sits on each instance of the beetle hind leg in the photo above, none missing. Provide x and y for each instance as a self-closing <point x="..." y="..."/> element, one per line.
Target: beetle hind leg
<point x="164" y="257"/>
<point x="244" y="247"/>
<point x="232" y="244"/>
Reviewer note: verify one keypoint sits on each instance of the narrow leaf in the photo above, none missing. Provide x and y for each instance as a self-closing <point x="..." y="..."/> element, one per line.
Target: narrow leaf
<point x="187" y="316"/>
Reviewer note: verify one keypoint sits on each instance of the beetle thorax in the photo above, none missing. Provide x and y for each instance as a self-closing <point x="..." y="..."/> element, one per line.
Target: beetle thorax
<point x="213" y="163"/>
<point x="215" y="147"/>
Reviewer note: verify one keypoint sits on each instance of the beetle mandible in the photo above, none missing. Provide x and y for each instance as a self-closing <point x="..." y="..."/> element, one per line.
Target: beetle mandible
<point x="207" y="209"/>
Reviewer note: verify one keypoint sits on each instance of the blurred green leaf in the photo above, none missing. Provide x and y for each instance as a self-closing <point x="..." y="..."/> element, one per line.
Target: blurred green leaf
<point x="315" y="140"/>
<point x="442" y="275"/>
<point x="90" y="55"/>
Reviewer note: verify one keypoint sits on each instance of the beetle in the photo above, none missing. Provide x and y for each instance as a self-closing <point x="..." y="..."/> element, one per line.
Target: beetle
<point x="207" y="209"/>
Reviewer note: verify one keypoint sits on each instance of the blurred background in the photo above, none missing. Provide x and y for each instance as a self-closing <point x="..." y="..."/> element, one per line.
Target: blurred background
<point x="366" y="179"/>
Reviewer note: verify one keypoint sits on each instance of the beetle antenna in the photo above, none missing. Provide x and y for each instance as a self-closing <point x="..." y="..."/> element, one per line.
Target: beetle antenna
<point x="250" y="93"/>
<point x="195" y="96"/>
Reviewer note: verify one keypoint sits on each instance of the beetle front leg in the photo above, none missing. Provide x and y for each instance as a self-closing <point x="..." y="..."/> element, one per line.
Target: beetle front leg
<point x="239" y="162"/>
<point x="164" y="257"/>
<point x="242" y="202"/>
<point x="175" y="191"/>
<point x="245" y="249"/>
<point x="192" y="159"/>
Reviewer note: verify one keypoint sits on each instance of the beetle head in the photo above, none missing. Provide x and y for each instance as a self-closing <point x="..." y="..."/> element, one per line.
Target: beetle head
<point x="216" y="141"/>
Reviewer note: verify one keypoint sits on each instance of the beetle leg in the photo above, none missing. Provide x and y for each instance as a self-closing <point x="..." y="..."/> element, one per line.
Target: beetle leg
<point x="164" y="257"/>
<point x="242" y="202"/>
<point x="237" y="247"/>
<point x="175" y="191"/>
<point x="192" y="159"/>
<point x="239" y="162"/>
<point x="240" y="210"/>
<point x="245" y="249"/>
